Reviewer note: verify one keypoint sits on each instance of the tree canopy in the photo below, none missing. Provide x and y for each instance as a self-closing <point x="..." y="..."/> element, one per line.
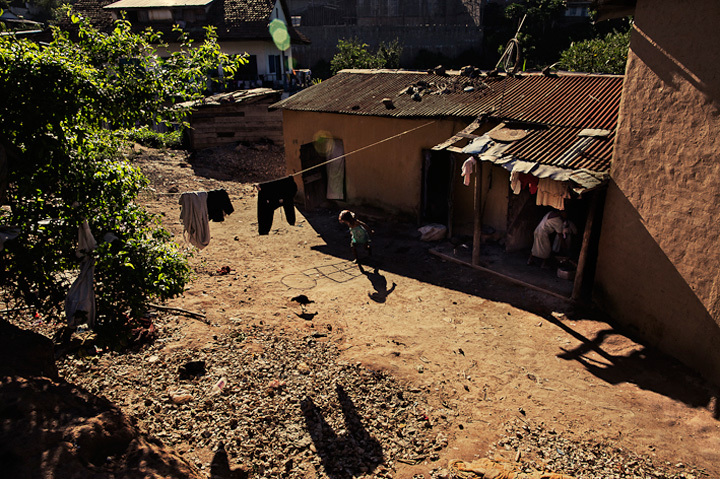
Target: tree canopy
<point x="354" y="54"/>
<point x="63" y="120"/>
<point x="598" y="55"/>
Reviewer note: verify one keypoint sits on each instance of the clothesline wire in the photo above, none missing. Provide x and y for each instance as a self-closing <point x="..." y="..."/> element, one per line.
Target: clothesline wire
<point x="363" y="148"/>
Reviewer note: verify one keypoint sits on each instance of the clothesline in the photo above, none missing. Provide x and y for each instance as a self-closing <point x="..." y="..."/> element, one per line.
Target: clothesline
<point x="363" y="148"/>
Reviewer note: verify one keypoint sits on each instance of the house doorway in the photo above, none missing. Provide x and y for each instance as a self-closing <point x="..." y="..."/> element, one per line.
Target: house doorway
<point x="438" y="167"/>
<point x="323" y="180"/>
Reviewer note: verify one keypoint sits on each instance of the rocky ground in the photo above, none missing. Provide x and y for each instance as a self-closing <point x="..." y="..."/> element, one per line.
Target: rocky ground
<point x="400" y="370"/>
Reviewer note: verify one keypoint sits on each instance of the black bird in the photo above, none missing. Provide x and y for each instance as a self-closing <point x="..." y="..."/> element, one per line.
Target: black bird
<point x="302" y="300"/>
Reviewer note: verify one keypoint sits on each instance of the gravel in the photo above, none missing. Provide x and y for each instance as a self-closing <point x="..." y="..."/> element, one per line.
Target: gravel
<point x="287" y="406"/>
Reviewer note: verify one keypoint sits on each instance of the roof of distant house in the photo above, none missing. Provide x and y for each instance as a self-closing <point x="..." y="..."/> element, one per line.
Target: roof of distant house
<point x="233" y="19"/>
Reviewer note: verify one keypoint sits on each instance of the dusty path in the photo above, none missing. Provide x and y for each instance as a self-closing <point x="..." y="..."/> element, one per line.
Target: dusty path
<point x="485" y="350"/>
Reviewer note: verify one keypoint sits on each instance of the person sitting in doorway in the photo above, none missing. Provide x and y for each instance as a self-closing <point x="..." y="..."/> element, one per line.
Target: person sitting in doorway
<point x="554" y="222"/>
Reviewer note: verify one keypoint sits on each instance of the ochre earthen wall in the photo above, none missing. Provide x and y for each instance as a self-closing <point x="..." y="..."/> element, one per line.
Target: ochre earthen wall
<point x="659" y="261"/>
<point x="387" y="175"/>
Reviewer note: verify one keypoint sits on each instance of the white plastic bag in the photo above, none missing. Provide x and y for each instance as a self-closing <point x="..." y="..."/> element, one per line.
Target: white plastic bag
<point x="432" y="232"/>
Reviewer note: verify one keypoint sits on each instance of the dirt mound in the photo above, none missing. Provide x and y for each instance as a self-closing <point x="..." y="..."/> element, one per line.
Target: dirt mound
<point x="55" y="429"/>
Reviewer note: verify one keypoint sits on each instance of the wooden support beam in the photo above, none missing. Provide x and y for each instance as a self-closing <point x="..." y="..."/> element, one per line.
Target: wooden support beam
<point x="477" y="210"/>
<point x="582" y="260"/>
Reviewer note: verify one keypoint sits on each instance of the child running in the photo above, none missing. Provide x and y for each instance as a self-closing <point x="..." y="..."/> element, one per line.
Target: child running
<point x="359" y="231"/>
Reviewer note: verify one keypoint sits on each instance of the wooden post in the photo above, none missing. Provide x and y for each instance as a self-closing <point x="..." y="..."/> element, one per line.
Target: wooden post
<point x="477" y="208"/>
<point x="577" y="285"/>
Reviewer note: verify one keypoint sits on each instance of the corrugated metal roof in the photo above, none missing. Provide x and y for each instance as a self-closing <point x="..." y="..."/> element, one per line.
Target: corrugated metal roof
<point x="123" y="4"/>
<point x="238" y="96"/>
<point x="554" y="109"/>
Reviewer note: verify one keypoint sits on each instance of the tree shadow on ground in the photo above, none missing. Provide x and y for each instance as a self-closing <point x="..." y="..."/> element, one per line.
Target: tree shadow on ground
<point x="644" y="366"/>
<point x="349" y="453"/>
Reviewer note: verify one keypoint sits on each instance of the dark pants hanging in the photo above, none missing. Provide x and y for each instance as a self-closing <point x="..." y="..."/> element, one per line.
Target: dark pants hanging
<point x="273" y="195"/>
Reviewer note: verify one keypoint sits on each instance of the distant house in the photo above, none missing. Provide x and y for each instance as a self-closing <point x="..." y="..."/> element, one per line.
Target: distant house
<point x="404" y="136"/>
<point x="431" y="29"/>
<point x="234" y="117"/>
<point x="659" y="253"/>
<point x="242" y="27"/>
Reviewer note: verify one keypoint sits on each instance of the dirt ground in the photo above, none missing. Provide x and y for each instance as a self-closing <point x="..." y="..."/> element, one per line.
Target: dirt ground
<point x="487" y="349"/>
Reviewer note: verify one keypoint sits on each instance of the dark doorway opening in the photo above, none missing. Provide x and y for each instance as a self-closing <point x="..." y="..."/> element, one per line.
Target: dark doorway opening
<point x="438" y="167"/>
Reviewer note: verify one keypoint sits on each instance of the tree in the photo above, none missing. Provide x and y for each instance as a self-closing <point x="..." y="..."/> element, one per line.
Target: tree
<point x="62" y="120"/>
<point x="598" y="55"/>
<point x="353" y="54"/>
<point x="537" y="38"/>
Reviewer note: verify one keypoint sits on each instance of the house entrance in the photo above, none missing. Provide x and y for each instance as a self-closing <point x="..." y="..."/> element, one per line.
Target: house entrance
<point x="322" y="181"/>
<point x="437" y="181"/>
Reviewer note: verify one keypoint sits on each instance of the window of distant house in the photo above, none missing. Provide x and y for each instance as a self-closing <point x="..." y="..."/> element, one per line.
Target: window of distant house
<point x="577" y="11"/>
<point x="160" y="15"/>
<point x="189" y="15"/>
<point x="140" y="15"/>
<point x="274" y="65"/>
<point x="296" y="20"/>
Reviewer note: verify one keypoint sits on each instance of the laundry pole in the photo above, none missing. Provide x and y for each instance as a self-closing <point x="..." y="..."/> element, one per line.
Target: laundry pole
<point x="477" y="208"/>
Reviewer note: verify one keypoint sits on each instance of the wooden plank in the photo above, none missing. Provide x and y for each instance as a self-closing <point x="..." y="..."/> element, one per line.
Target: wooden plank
<point x="507" y="278"/>
<point x="477" y="215"/>
<point x="582" y="260"/>
<point x="457" y="137"/>
<point x="468" y="135"/>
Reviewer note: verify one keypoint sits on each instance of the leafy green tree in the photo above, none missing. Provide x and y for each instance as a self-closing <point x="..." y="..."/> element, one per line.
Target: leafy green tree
<point x="598" y="55"/>
<point x="64" y="110"/>
<point x="354" y="54"/>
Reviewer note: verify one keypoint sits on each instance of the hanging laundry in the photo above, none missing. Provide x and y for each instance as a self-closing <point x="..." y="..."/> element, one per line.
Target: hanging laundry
<point x="336" y="173"/>
<point x="519" y="181"/>
<point x="218" y="205"/>
<point x="552" y="193"/>
<point x="80" y="300"/>
<point x="273" y="195"/>
<point x="194" y="214"/>
<point x="468" y="167"/>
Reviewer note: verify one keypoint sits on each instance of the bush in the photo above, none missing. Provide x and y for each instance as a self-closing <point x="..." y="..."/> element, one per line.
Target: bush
<point x="153" y="139"/>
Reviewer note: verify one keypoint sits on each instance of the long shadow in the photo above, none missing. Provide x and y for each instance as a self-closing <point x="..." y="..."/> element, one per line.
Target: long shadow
<point x="220" y="466"/>
<point x="398" y="247"/>
<point x="645" y="367"/>
<point x="345" y="455"/>
<point x="379" y="283"/>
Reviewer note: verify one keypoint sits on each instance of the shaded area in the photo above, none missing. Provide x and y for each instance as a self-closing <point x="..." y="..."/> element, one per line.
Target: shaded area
<point x="397" y="245"/>
<point x="220" y="466"/>
<point x="644" y="366"/>
<point x="344" y="454"/>
<point x="51" y="428"/>
<point x="55" y="429"/>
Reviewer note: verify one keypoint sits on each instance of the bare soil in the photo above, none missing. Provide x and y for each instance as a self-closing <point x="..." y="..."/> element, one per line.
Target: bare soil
<point x="489" y="350"/>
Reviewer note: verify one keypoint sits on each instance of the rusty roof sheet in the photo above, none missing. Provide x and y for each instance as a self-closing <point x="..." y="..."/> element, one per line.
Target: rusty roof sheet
<point x="553" y="109"/>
